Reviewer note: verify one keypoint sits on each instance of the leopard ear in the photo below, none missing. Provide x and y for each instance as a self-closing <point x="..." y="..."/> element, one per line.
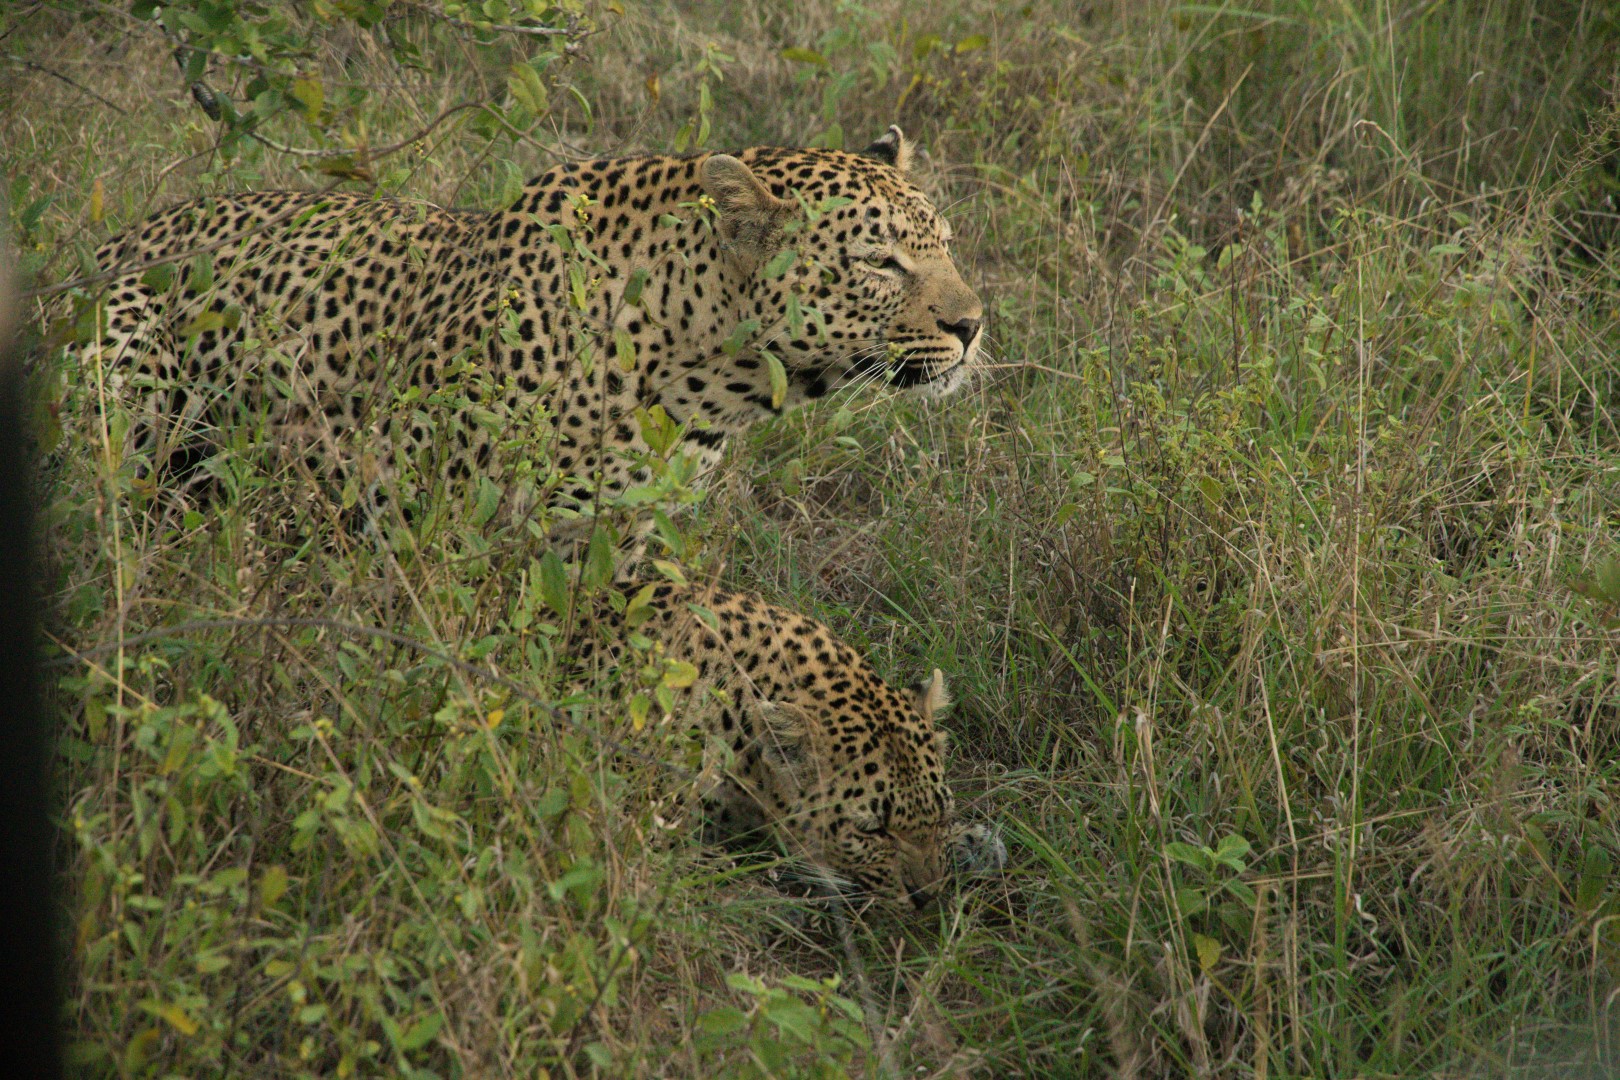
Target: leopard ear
<point x="749" y="213"/>
<point x="892" y="149"/>
<point x="932" y="698"/>
<point x="735" y="188"/>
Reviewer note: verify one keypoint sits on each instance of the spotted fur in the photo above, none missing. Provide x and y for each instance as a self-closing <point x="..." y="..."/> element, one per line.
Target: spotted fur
<point x="608" y="288"/>
<point x="846" y="771"/>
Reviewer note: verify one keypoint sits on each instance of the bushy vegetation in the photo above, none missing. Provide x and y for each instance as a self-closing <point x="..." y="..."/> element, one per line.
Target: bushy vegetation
<point x="1275" y="558"/>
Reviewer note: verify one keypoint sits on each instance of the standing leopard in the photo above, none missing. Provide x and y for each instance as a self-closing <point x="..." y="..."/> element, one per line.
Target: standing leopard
<point x="720" y="289"/>
<point x="844" y="770"/>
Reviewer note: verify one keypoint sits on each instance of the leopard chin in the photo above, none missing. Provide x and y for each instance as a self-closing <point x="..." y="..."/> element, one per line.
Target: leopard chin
<point x="944" y="383"/>
<point x="920" y="376"/>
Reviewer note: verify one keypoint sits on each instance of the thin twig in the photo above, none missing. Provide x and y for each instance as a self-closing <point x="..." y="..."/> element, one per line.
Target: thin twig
<point x="124" y="269"/>
<point x="80" y="87"/>
<point x="361" y="152"/>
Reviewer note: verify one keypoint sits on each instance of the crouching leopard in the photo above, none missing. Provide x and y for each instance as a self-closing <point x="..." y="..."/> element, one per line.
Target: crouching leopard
<point x="718" y="288"/>
<point x="844" y="770"/>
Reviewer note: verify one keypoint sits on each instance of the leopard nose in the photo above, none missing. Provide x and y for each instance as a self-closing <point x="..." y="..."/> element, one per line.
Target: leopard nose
<point x="965" y="331"/>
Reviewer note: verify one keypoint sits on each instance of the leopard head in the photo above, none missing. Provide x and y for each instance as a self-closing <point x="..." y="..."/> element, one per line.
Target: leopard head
<point x="861" y="795"/>
<point x="844" y="267"/>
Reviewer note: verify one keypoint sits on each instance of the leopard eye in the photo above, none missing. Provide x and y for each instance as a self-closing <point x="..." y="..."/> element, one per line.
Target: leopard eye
<point x="884" y="261"/>
<point x="870" y="830"/>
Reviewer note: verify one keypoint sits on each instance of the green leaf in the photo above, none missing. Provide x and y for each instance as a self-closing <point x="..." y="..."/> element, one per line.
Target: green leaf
<point x="667" y="531"/>
<point x="552" y="803"/>
<point x="639" y="607"/>
<point x="524" y="84"/>
<point x="778" y="374"/>
<point x="658" y="431"/>
<point x="173" y="1015"/>
<point x="512" y="183"/>
<point x="634" y="285"/>
<point x="640" y="705"/>
<point x="212" y="963"/>
<point x="427" y="821"/>
<point x="793" y="1017"/>
<point x="309" y="93"/>
<point x="580" y="881"/>
<point x="801" y="55"/>
<point x="159" y="278"/>
<point x="1602" y="583"/>
<point x="560" y="237"/>
<point x="553" y="582"/>
<point x="680" y="674"/>
<point x="747" y="984"/>
<point x="624" y="348"/>
<point x="272" y="885"/>
<point x="972" y="43"/>
<point x="422" y="1032"/>
<point x="1209" y="952"/>
<point x="202" y="323"/>
<point x="598" y="569"/>
<point x="780" y="263"/>
<point x="723" y="1021"/>
<point x="795" y="318"/>
<point x="1189" y="854"/>
<point x="344" y="167"/>
<point x="489" y="499"/>
<point x="577" y="290"/>
<point x="1596" y="868"/>
<point x="201" y="276"/>
<point x="33" y="212"/>
<point x="741" y="334"/>
<point x="1190" y="901"/>
<point x="1233" y="847"/>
